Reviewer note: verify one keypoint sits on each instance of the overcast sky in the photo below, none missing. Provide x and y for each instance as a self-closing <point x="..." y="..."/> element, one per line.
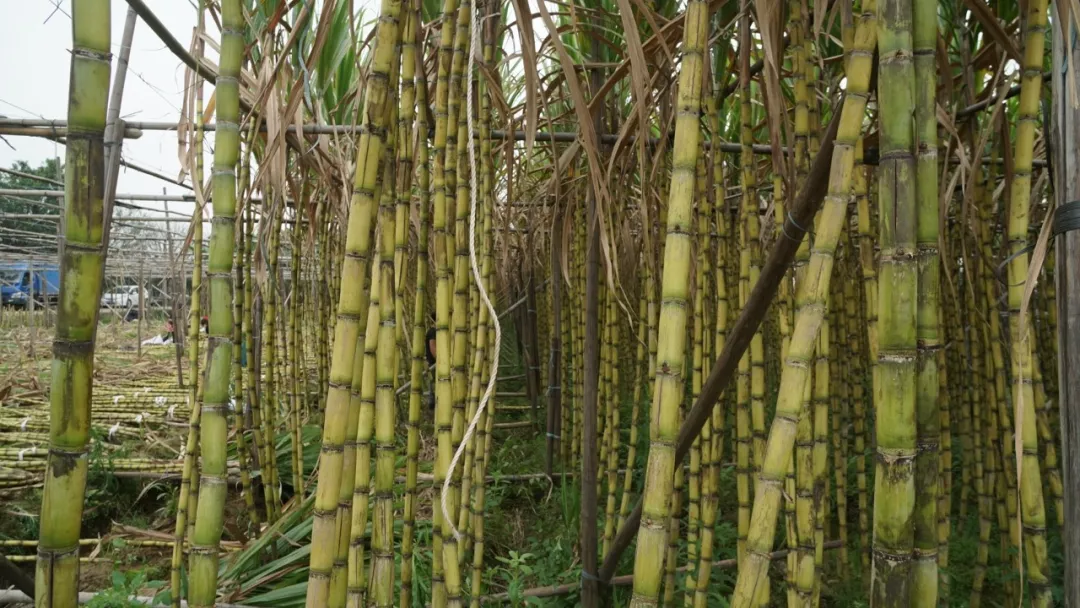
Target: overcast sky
<point x="35" y="39"/>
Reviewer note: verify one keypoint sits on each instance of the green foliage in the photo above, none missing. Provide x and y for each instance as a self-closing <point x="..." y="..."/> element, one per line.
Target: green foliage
<point x="125" y="586"/>
<point x="514" y="570"/>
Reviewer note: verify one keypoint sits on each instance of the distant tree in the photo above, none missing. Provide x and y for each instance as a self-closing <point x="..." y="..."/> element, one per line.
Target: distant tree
<point x="33" y="236"/>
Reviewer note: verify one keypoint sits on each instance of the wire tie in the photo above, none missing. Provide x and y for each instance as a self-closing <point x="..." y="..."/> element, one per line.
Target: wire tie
<point x="585" y="576"/>
<point x="553" y="436"/>
<point x="791" y="218"/>
<point x="22" y="425"/>
<point x="113" y="430"/>
<point x="116" y="399"/>
<point x="999" y="272"/>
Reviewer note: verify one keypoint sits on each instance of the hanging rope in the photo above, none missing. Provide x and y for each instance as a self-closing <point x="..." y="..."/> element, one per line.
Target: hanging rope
<point x="474" y="34"/>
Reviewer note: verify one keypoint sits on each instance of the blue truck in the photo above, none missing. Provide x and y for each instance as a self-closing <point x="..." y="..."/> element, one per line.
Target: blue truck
<point x="18" y="281"/>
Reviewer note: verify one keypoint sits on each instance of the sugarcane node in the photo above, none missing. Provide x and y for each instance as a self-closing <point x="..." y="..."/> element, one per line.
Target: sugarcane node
<point x="63" y="349"/>
<point x="58" y="552"/>
<point x="892" y="559"/>
<point x="88" y="53"/>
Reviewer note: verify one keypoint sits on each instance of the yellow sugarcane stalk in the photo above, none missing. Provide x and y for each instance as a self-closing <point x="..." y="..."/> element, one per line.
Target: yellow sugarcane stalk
<point x="351" y="304"/>
<point x="809" y="311"/>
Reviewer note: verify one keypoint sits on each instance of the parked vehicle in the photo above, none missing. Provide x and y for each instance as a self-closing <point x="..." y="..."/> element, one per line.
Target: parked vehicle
<point x="126" y="296"/>
<point x="20" y="280"/>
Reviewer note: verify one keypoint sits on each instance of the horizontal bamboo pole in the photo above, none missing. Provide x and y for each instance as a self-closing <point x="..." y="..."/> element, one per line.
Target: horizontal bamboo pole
<point x="543" y="136"/>
<point x="323" y="129"/>
<point x="50" y="131"/>
<point x="180" y="198"/>
<point x="56" y="217"/>
<point x="513" y="425"/>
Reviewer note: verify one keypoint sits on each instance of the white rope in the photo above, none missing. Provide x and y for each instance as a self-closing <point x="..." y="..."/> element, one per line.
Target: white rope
<point x="474" y="34"/>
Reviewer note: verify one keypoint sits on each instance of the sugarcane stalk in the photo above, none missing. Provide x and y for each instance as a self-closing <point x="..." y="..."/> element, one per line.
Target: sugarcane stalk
<point x="924" y="568"/>
<point x="214" y="423"/>
<point x="419" y="344"/>
<point x="293" y="373"/>
<point x="57" y="576"/>
<point x="664" y="425"/>
<point x="239" y="288"/>
<point x="351" y="305"/>
<point x="1029" y="476"/>
<point x="809" y="311"/>
<point x="356" y="569"/>
<point x="441" y="187"/>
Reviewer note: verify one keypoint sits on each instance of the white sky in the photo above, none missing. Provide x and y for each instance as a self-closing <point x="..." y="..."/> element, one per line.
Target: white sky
<point x="36" y="86"/>
<point x="35" y="38"/>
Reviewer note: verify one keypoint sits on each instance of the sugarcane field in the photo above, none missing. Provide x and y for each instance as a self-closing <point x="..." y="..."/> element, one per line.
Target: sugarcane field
<point x="598" y="303"/>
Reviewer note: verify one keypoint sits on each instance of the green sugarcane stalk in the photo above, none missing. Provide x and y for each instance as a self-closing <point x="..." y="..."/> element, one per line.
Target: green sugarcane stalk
<point x="896" y="393"/>
<point x="214" y="425"/>
<point x="81" y="266"/>
<point x="293" y="372"/>
<point x="457" y="158"/>
<point x="714" y="448"/>
<point x="193" y="341"/>
<point x="239" y="288"/>
<point x="671" y="346"/>
<point x="1032" y="508"/>
<point x="251" y="375"/>
<point x="808" y="316"/>
<point x="357" y="581"/>
<point x="869" y="301"/>
<point x="635" y="412"/>
<point x="419" y="344"/>
<point x="441" y="187"/>
<point x="924" y="568"/>
<point x="822" y="396"/>
<point x="700" y="452"/>
<point x="271" y="358"/>
<point x="351" y="305"/>
<point x="381" y="592"/>
<point x="186" y="505"/>
<point x="744" y="453"/>
<point x="373" y="379"/>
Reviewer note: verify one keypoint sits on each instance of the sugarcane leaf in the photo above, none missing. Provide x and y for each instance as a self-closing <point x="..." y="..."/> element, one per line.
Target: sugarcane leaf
<point x="292" y="595"/>
<point x="532" y="86"/>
